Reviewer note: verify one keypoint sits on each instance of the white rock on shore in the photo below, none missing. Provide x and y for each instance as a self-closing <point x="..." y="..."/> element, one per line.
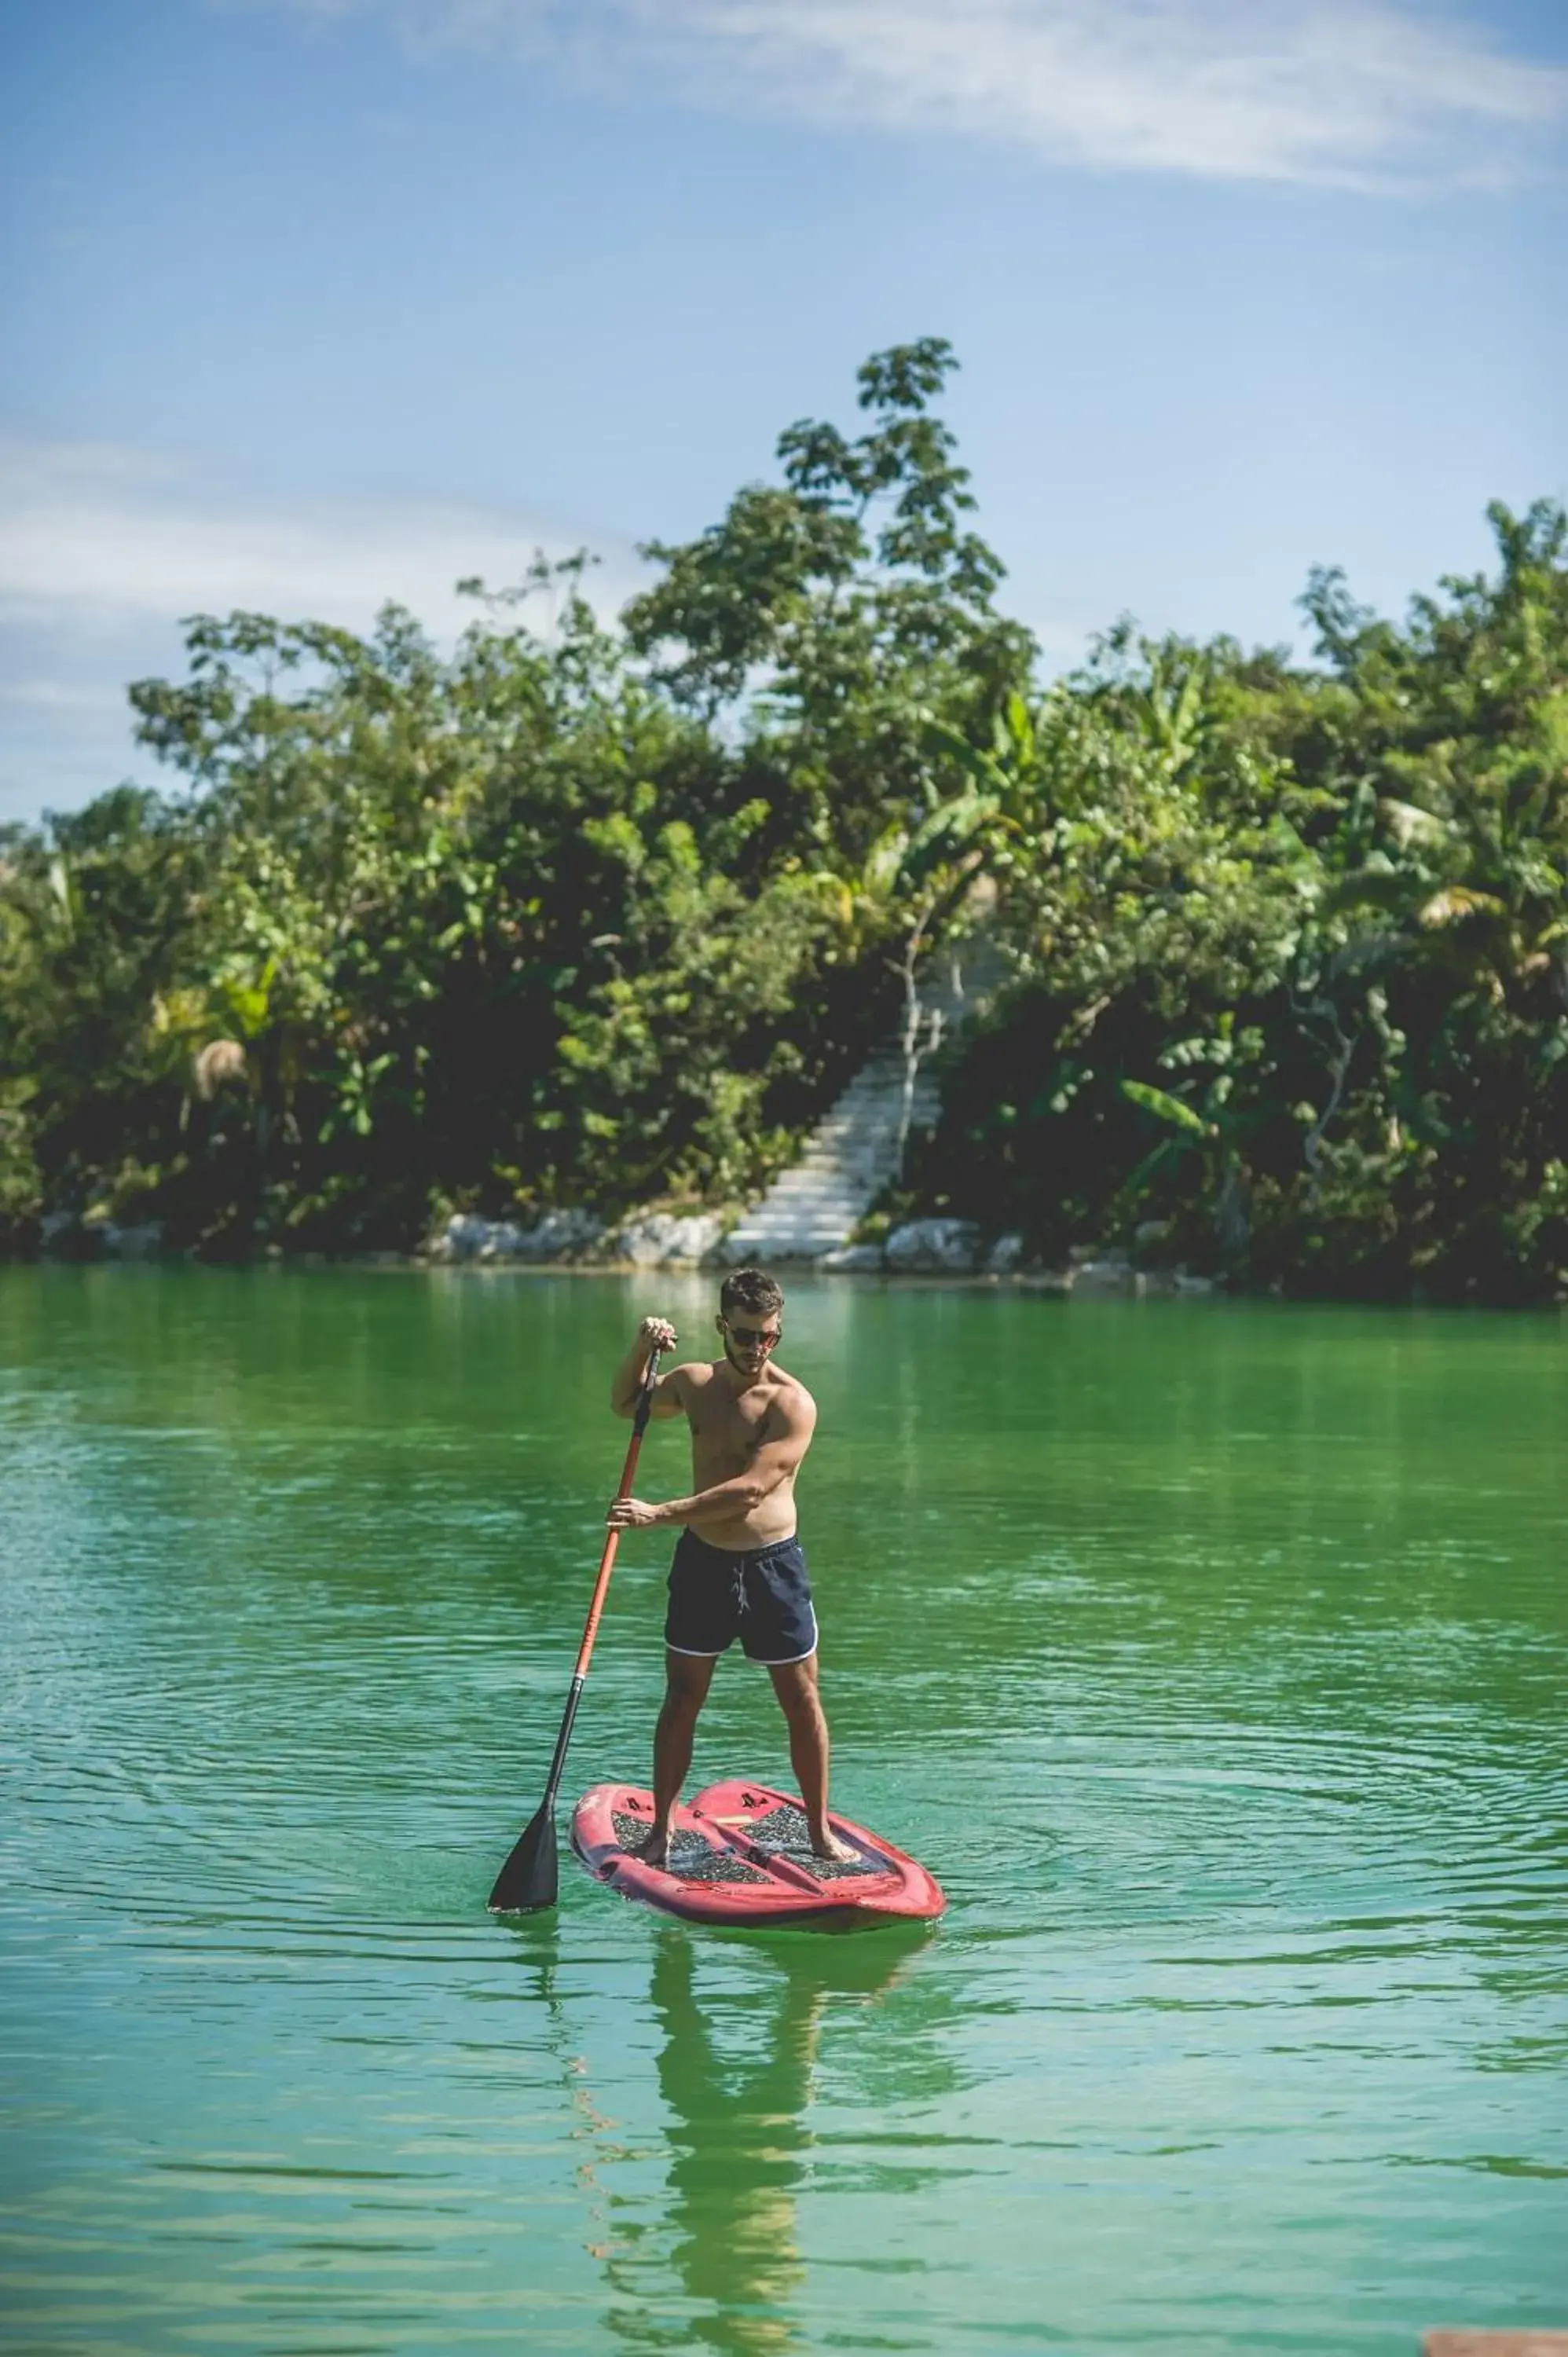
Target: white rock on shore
<point x="564" y="1235"/>
<point x="559" y="1235"/>
<point x="948" y="1247"/>
<point x="138" y="1240"/>
<point x="647" y="1238"/>
<point x="852" y="1260"/>
<point x="668" y="1239"/>
<point x="505" y="1241"/>
<point x="461" y="1238"/>
<point x="1110" y="1275"/>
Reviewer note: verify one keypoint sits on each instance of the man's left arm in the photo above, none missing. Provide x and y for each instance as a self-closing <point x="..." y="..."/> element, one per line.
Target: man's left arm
<point x="774" y="1460"/>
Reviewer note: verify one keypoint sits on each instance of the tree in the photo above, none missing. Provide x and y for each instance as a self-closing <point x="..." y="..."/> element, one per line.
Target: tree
<point x="836" y="612"/>
<point x="578" y="916"/>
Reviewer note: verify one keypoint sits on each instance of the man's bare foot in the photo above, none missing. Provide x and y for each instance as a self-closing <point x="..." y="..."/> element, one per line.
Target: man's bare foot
<point x="653" y="1849"/>
<point x="826" y="1844"/>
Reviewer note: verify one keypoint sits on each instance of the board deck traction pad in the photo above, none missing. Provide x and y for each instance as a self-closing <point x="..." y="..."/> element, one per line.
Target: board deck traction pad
<point x="740" y="1852"/>
<point x="783" y="1833"/>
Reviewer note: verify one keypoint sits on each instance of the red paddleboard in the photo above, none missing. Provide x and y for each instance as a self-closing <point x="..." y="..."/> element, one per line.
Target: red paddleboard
<point x="742" y="1854"/>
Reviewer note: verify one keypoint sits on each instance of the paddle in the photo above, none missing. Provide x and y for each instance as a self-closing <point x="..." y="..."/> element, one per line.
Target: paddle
<point x="529" y="1879"/>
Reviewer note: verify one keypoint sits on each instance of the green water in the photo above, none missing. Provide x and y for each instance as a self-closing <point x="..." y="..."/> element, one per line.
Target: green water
<point x="1212" y="1656"/>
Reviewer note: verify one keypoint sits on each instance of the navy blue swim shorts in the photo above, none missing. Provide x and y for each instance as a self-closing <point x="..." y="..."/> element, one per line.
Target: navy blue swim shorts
<point x="763" y="1597"/>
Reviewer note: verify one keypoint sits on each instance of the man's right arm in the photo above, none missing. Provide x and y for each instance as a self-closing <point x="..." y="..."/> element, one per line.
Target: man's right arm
<point x="669" y="1393"/>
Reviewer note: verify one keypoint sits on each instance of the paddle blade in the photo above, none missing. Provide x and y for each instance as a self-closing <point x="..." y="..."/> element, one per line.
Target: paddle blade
<point x="529" y="1879"/>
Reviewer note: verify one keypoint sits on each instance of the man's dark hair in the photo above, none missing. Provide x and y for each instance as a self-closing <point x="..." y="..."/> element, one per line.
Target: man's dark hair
<point x="753" y="1290"/>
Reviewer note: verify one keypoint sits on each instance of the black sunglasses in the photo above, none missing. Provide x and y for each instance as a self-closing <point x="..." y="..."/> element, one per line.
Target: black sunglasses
<point x="748" y="1335"/>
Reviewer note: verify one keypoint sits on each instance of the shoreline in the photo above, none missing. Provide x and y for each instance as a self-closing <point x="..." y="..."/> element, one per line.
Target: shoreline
<point x="947" y="1252"/>
<point x="1138" y="1286"/>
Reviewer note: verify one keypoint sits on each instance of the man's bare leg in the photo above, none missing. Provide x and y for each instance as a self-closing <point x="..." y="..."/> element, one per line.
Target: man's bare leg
<point x="687" y="1679"/>
<point x="795" y="1683"/>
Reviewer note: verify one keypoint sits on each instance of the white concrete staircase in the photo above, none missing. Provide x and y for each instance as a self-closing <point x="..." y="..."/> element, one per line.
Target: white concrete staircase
<point x="857" y="1149"/>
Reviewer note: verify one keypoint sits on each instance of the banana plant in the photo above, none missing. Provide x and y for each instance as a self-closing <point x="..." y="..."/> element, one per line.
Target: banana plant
<point x="1213" y="1127"/>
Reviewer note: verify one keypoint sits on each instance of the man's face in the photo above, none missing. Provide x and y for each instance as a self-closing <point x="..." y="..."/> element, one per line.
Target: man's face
<point x="749" y="1339"/>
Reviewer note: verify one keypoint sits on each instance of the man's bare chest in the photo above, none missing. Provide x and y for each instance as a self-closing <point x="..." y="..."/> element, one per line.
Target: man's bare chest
<point x="729" y="1428"/>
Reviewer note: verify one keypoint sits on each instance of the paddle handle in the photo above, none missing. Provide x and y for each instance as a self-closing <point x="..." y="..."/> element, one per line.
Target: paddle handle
<point x="601" y="1588"/>
<point x="527" y="1881"/>
<point x="612" y="1538"/>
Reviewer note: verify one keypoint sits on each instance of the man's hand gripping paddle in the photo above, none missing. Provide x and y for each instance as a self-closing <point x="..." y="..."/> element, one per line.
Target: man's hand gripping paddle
<point x="528" y="1880"/>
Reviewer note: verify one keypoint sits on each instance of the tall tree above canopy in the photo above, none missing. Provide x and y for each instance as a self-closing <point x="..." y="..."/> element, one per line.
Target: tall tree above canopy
<point x="843" y="607"/>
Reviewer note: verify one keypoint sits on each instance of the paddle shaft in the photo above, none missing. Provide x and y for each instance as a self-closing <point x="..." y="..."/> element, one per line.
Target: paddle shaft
<point x="601" y="1586"/>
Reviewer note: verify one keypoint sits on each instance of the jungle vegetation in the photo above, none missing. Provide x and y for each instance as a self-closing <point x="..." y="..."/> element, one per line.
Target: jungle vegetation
<point x="576" y="915"/>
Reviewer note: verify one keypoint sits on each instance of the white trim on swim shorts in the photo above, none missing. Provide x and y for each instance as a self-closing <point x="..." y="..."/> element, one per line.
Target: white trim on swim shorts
<point x="690" y="1652"/>
<point x="790" y="1659"/>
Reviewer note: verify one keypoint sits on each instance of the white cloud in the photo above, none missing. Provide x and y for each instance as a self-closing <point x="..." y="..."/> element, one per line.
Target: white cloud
<point x="103" y="550"/>
<point x="1348" y="92"/>
<point x="99" y="531"/>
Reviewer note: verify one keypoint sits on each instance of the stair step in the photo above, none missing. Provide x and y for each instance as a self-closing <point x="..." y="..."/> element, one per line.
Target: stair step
<point x="879" y="1108"/>
<point x="854" y="1151"/>
<point x="823" y="1182"/>
<point x="830" y="1201"/>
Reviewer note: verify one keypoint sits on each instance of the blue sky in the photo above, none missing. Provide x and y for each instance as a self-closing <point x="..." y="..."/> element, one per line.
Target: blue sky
<point x="311" y="302"/>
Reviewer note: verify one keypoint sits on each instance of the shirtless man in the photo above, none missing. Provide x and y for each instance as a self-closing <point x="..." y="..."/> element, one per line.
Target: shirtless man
<point x="738" y="1569"/>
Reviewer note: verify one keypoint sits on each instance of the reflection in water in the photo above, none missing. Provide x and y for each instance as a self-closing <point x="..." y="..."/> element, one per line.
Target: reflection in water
<point x="736" y="2068"/>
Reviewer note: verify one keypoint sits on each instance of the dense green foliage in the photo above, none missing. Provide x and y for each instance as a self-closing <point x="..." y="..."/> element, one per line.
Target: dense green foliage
<point x="582" y="917"/>
<point x="1294" y="953"/>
